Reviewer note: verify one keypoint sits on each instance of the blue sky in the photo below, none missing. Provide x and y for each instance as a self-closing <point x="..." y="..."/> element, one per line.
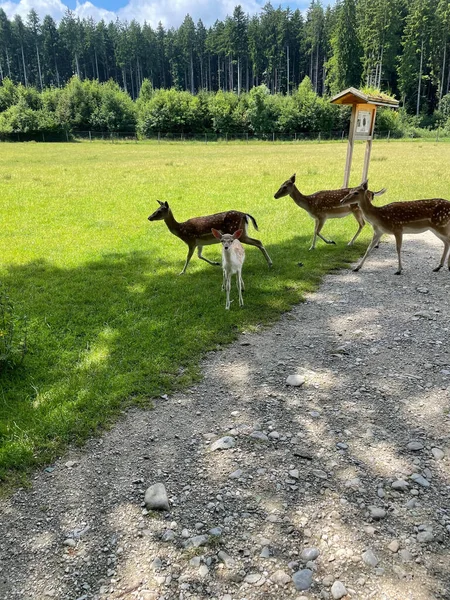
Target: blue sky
<point x="170" y="12"/>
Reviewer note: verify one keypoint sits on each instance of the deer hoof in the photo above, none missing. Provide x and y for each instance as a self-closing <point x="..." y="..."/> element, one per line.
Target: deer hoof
<point x="356" y="269"/>
<point x="398" y="272"/>
<point x="331" y="242"/>
<point x="438" y="268"/>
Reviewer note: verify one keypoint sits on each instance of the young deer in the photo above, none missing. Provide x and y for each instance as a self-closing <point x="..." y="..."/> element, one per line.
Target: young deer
<point x="397" y="218"/>
<point x="196" y="232"/>
<point x="233" y="256"/>
<point x="321" y="206"/>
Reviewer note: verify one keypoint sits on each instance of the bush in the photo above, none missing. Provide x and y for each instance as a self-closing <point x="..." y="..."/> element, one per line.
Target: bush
<point x="12" y="334"/>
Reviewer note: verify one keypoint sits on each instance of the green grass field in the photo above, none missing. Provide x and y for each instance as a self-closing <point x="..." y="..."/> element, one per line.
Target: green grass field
<point x="110" y="322"/>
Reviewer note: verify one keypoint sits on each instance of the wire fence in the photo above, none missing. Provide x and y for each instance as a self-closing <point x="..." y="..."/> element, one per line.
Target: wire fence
<point x="160" y="137"/>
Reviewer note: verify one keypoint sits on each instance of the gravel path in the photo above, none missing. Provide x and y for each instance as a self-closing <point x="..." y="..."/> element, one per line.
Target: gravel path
<point x="340" y="485"/>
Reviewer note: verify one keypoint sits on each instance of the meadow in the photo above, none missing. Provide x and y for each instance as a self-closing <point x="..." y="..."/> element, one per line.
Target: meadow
<point x="110" y="322"/>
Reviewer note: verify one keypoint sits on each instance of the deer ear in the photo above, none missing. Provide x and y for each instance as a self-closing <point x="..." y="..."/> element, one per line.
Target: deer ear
<point x="293" y="178"/>
<point x="237" y="234"/>
<point x="364" y="184"/>
<point x="166" y="204"/>
<point x="159" y="202"/>
<point x="216" y="233"/>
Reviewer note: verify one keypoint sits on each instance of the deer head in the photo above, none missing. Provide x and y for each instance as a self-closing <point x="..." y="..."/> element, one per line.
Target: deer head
<point x="226" y="238"/>
<point x="285" y="188"/>
<point x="361" y="193"/>
<point x="161" y="212"/>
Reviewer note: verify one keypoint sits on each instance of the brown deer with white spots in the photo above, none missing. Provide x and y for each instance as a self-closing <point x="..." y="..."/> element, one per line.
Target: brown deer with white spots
<point x="197" y="233"/>
<point x="397" y="218"/>
<point x="321" y="206"/>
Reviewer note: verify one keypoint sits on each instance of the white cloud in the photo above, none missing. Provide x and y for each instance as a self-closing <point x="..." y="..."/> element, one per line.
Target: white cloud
<point x="171" y="14"/>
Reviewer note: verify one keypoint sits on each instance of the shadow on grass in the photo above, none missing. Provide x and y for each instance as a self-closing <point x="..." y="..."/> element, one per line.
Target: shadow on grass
<point x="126" y="328"/>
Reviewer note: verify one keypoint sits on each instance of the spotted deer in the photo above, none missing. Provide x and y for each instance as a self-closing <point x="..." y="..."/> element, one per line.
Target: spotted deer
<point x="397" y="218"/>
<point x="233" y="256"/>
<point x="321" y="206"/>
<point x="197" y="233"/>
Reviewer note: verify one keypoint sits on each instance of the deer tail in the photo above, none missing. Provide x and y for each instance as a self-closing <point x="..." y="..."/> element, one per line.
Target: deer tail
<point x="255" y="225"/>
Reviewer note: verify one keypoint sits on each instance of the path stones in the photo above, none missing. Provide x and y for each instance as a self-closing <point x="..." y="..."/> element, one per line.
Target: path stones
<point x="415" y="445"/>
<point x="280" y="577"/>
<point x="196" y="541"/>
<point x="400" y="484"/>
<point x="308" y="554"/>
<point x="437" y="453"/>
<point x="259" y="435"/>
<point x="224" y="443"/>
<point x="369" y="558"/>
<point x="156" y="497"/>
<point x="295" y="380"/>
<point x="420" y="480"/>
<point x="377" y="513"/>
<point x="252" y="578"/>
<point x="394" y="546"/>
<point x="338" y="590"/>
<point x="302" y="579"/>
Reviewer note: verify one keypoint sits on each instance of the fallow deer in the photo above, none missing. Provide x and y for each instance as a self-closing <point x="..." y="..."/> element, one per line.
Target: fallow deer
<point x="233" y="256"/>
<point x="321" y="206"/>
<point x="397" y="218"/>
<point x="196" y="232"/>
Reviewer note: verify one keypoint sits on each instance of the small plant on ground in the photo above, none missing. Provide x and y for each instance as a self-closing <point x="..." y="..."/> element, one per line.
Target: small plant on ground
<point x="12" y="334"/>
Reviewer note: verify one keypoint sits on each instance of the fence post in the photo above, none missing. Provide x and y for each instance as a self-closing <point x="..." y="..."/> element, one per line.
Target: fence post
<point x="273" y="137"/>
<point x="319" y="137"/>
<point x="247" y="137"/>
<point x="437" y="135"/>
<point x="43" y="137"/>
<point x="67" y="136"/>
<point x="226" y="137"/>
<point x="206" y="138"/>
<point x="389" y="135"/>
<point x="342" y="136"/>
<point x="90" y="136"/>
<point x="159" y="137"/>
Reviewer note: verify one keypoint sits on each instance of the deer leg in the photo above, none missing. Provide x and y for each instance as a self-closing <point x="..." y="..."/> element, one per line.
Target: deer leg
<point x="228" y="289"/>
<point x="240" y="285"/>
<point x="398" y="243"/>
<point x="358" y="216"/>
<point x="188" y="258"/>
<point x="199" y="254"/>
<point x="319" y="224"/>
<point x="445" y="254"/>
<point x="376" y="238"/>
<point x="245" y="239"/>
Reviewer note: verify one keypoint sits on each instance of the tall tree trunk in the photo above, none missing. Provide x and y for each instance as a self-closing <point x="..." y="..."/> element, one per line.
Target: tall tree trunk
<point x="192" y="74"/>
<point x="39" y="67"/>
<point x="287" y="70"/>
<point x="132" y="83"/>
<point x="316" y="83"/>
<point x="239" y="76"/>
<point x="218" y="73"/>
<point x="124" y="78"/>
<point x="380" y="69"/>
<point x="8" y="63"/>
<point x="420" y="81"/>
<point x="441" y="88"/>
<point x="77" y="65"/>
<point x="247" y="76"/>
<point x="24" y="67"/>
<point x="1" y="71"/>
<point x="96" y="64"/>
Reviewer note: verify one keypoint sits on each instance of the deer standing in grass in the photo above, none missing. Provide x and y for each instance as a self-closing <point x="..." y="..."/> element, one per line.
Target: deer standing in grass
<point x="233" y="256"/>
<point x="197" y="233"/>
<point x="397" y="218"/>
<point x="321" y="206"/>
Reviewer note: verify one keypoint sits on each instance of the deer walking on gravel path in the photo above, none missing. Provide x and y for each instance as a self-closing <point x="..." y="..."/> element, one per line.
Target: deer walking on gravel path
<point x="397" y="218"/>
<point x="197" y="233"/>
<point x="321" y="206"/>
<point x="233" y="256"/>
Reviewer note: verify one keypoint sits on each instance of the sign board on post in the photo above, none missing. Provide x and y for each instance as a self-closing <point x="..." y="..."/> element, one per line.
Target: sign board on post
<point x="362" y="123"/>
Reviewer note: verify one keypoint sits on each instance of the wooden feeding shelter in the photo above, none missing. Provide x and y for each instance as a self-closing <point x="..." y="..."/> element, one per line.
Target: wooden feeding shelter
<point x="362" y="122"/>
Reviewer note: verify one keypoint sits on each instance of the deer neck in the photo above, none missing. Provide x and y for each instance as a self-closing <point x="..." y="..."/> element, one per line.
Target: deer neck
<point x="370" y="212"/>
<point x="299" y="198"/>
<point x="172" y="223"/>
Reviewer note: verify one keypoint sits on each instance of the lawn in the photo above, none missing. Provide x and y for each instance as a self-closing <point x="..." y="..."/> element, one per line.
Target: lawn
<point x="110" y="322"/>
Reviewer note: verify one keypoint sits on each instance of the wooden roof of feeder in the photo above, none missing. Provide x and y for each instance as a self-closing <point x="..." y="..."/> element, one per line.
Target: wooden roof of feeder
<point x="354" y="96"/>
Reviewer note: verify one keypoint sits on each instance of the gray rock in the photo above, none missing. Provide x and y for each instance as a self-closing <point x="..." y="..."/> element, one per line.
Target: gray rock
<point x="295" y="380"/>
<point x="168" y="536"/>
<point x="437" y="453"/>
<point x="252" y="578"/>
<point x="394" y="546"/>
<point x="406" y="555"/>
<point x="425" y="536"/>
<point x="274" y="435"/>
<point x="400" y="484"/>
<point x="280" y="577"/>
<point x="377" y="513"/>
<point x="294" y="474"/>
<point x="236" y="474"/>
<point x="415" y="445"/>
<point x="265" y="552"/>
<point x="195" y="561"/>
<point x="70" y="542"/>
<point x="224" y="443"/>
<point x="156" y="497"/>
<point x="203" y="571"/>
<point x="302" y="579"/>
<point x="156" y="564"/>
<point x="369" y="558"/>
<point x="259" y="435"/>
<point x="320" y="474"/>
<point x="338" y="590"/>
<point x="215" y="531"/>
<point x="226" y="559"/>
<point x="196" y="541"/>
<point x="420" y="480"/>
<point x="309" y="554"/>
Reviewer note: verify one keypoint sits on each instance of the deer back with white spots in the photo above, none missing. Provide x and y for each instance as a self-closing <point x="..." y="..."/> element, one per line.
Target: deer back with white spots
<point x="397" y="218"/>
<point x="197" y="232"/>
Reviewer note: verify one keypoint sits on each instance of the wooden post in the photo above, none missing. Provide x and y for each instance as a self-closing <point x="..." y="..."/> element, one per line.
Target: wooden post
<point x="351" y="141"/>
<point x="369" y="147"/>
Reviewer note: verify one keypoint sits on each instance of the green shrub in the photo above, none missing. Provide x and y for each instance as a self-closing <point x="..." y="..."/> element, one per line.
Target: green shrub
<point x="12" y="334"/>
